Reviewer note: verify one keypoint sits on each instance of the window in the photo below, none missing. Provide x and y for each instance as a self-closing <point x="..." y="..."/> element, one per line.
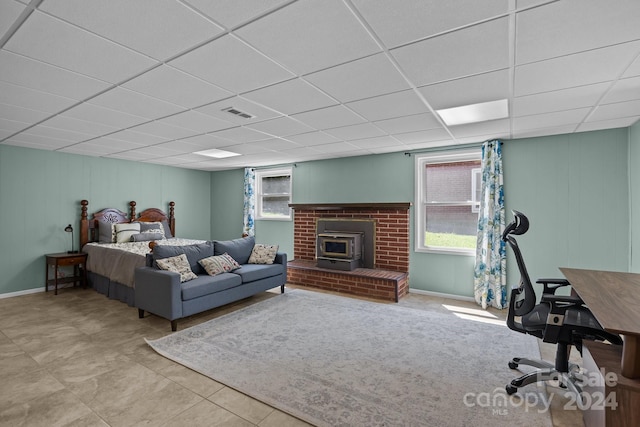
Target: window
<point x="447" y="201"/>
<point x="273" y="194"/>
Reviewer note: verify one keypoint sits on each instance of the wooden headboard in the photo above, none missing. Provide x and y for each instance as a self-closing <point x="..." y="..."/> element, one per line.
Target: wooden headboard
<point x="89" y="227"/>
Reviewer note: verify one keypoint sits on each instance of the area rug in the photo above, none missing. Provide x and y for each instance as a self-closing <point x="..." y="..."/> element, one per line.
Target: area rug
<point x="338" y="361"/>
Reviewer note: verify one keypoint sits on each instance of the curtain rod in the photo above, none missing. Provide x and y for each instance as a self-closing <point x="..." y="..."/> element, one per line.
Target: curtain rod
<point x="282" y="165"/>
<point x="451" y="147"/>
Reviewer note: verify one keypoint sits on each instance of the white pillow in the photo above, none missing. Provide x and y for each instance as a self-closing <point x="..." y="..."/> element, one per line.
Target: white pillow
<point x="125" y="230"/>
<point x="263" y="254"/>
<point x="178" y="264"/>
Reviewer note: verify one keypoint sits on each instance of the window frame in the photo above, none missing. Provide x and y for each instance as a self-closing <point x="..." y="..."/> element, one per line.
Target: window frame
<point x="421" y="160"/>
<point x="266" y="173"/>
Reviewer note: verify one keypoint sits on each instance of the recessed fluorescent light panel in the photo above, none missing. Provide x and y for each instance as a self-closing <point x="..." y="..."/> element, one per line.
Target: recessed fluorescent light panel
<point x="218" y="154"/>
<point x="474" y="113"/>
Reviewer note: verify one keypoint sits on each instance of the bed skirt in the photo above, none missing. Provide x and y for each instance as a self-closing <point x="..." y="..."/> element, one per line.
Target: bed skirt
<point x="112" y="290"/>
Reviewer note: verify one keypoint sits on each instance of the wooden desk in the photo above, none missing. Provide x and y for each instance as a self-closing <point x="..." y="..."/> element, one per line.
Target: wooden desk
<point x="614" y="299"/>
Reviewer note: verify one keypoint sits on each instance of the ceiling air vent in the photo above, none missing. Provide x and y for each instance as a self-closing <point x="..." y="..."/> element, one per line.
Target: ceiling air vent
<point x="238" y="113"/>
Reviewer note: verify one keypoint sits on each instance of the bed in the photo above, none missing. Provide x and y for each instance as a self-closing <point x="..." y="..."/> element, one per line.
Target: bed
<point x="111" y="265"/>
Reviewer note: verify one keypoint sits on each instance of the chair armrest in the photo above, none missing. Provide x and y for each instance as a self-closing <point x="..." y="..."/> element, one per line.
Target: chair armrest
<point x="548" y="285"/>
<point x="158" y="292"/>
<point x="555" y="299"/>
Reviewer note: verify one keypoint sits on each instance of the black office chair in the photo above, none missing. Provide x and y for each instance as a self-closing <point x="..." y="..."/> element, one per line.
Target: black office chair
<point x="557" y="319"/>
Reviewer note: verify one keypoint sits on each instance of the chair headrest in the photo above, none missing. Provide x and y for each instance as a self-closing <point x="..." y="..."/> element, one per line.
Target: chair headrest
<point x="518" y="226"/>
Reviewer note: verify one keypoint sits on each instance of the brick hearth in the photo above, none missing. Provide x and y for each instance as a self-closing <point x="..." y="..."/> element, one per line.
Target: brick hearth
<point x="389" y="279"/>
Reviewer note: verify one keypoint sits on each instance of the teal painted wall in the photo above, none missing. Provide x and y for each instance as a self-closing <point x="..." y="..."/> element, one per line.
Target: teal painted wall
<point x="40" y="193"/>
<point x="581" y="192"/>
<point x="634" y="196"/>
<point x="574" y="189"/>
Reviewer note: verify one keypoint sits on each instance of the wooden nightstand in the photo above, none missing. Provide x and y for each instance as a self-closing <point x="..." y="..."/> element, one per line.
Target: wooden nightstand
<point x="77" y="260"/>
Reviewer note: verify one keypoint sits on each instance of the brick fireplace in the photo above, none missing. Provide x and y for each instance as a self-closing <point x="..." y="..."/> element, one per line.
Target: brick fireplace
<point x="389" y="277"/>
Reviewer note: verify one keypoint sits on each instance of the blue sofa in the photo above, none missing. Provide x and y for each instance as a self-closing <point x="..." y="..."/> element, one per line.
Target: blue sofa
<point x="161" y="292"/>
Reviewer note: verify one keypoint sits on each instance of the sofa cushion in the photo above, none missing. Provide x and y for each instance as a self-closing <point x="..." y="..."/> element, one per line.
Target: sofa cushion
<point x="205" y="285"/>
<point x="194" y="253"/>
<point x="239" y="249"/>
<point x="253" y="272"/>
<point x="178" y="264"/>
<point x="263" y="254"/>
<point x="217" y="264"/>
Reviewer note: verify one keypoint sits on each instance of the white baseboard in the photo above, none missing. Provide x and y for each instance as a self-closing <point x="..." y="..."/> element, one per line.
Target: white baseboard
<point x="19" y="293"/>
<point x="441" y="295"/>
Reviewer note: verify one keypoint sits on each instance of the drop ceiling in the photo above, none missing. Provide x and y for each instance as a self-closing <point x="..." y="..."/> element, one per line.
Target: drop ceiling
<point x="151" y="80"/>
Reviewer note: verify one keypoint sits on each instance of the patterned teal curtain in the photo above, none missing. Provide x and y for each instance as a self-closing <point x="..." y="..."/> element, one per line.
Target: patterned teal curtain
<point x="249" y="202"/>
<point x="490" y="273"/>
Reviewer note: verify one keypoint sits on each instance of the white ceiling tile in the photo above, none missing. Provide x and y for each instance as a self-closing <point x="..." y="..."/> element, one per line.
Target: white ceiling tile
<point x="423" y="18"/>
<point x="617" y="110"/>
<point x="43" y="142"/>
<point x="564" y="99"/>
<point x="569" y="71"/>
<point x="313" y="138"/>
<point x="461" y="53"/>
<point x="33" y="99"/>
<point x="564" y="27"/>
<point x="248" y="148"/>
<point x="10" y="13"/>
<point x="258" y="112"/>
<point x="241" y="134"/>
<point x="548" y="120"/>
<point x="634" y="69"/>
<point x="92" y="148"/>
<point x="377" y="142"/>
<point x="409" y="123"/>
<point x="623" y="90"/>
<point x="164" y="130"/>
<point x="338" y="147"/>
<point x="147" y="26"/>
<point x="204" y="141"/>
<point x="360" y="131"/>
<point x="310" y="35"/>
<point x="558" y="130"/>
<point x="499" y="128"/>
<point x="180" y="146"/>
<point x="609" y="124"/>
<point x="19" y="114"/>
<point x="111" y="145"/>
<point x="423" y="136"/>
<point x="37" y="75"/>
<point x="232" y="65"/>
<point x="105" y="116"/>
<point x="277" y="144"/>
<point x="364" y="78"/>
<point x="132" y="155"/>
<point x="138" y="138"/>
<point x="329" y="117"/>
<point x="299" y="96"/>
<point x="231" y="13"/>
<point x="177" y="87"/>
<point x="75" y="125"/>
<point x="134" y="103"/>
<point x="61" y="134"/>
<point x="404" y="103"/>
<point x="282" y="126"/>
<point x="469" y="90"/>
<point x="58" y="43"/>
<point x="198" y="122"/>
<point x="11" y="126"/>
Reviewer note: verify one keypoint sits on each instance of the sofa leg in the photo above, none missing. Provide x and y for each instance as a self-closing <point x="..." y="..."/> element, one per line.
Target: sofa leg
<point x="174" y="325"/>
<point x="140" y="313"/>
<point x="282" y="289"/>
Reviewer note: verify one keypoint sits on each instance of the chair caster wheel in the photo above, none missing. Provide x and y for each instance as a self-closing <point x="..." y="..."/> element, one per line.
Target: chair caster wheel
<point x="510" y="389"/>
<point x="513" y="365"/>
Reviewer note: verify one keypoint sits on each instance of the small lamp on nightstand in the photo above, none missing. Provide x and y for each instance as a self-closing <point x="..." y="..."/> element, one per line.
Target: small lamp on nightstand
<point x="69" y="229"/>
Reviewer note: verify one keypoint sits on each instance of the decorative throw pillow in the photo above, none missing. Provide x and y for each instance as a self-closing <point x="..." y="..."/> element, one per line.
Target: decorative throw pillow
<point x="125" y="230"/>
<point x="219" y="264"/>
<point x="152" y="227"/>
<point x="106" y="232"/>
<point x="178" y="264"/>
<point x="263" y="254"/>
<point x="147" y="236"/>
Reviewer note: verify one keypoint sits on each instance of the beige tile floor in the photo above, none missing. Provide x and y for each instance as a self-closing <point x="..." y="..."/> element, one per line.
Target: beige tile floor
<point x="79" y="359"/>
